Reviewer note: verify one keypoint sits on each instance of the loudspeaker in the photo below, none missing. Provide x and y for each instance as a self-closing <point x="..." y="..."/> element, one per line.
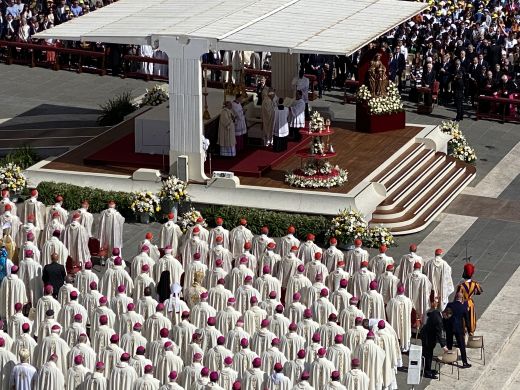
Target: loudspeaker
<point x="182" y="168"/>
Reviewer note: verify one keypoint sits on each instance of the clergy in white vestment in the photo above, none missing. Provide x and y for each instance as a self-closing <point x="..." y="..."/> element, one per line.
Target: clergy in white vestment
<point x="46" y="325"/>
<point x="322" y="307"/>
<point x="146" y="305"/>
<point x="287" y="244"/>
<point x="117" y="277"/>
<point x="287" y="266"/>
<point x="141" y="259"/>
<point x="253" y="316"/>
<point x="54" y="245"/>
<point x="238" y="274"/>
<point x="54" y="223"/>
<point x="348" y="315"/>
<point x="356" y="335"/>
<point x="438" y="272"/>
<point x="97" y="380"/>
<point x="122" y="376"/>
<point x="270" y="303"/>
<point x="66" y="289"/>
<point x="307" y="327"/>
<point x="228" y="376"/>
<point x="6" y="201"/>
<point x="321" y="369"/>
<point x="303" y="383"/>
<point x="418" y="288"/>
<point x="7" y="362"/>
<point x="371" y="357"/>
<point x="332" y="255"/>
<point x="335" y="382"/>
<point x="269" y="258"/>
<point x="116" y="252"/>
<point x="244" y="293"/>
<point x="153" y="250"/>
<point x="182" y="334"/>
<point x="50" y="376"/>
<point x="198" y="229"/>
<point x="126" y="324"/>
<point x="57" y="207"/>
<point x="226" y="131"/>
<point x="73" y="331"/>
<point x="191" y="372"/>
<point x="399" y="313"/>
<point x="340" y="356"/>
<point x="301" y="83"/>
<point x="30" y="272"/>
<point x="252" y="261"/>
<point x="139" y="360"/>
<point x="219" y="252"/>
<point x="172" y="382"/>
<point x="87" y="219"/>
<point x="267" y="283"/>
<point x="219" y="231"/>
<point x="10" y="225"/>
<point x="387" y="283"/>
<point x="25" y="341"/>
<point x="25" y="229"/>
<point x="262" y="338"/>
<point x="273" y="355"/>
<point x="293" y="369"/>
<point x="372" y="303"/>
<point x="277" y="380"/>
<point x="355" y="257"/>
<point x="214" y="357"/>
<point x="24" y="376"/>
<point x="238" y="237"/>
<point x="297" y="114"/>
<point x="142" y="281"/>
<point x="83" y="349"/>
<point x="308" y="249"/>
<point x="203" y="380"/>
<point x="193" y="246"/>
<point x="85" y="277"/>
<point x="30" y="245"/>
<point x="356" y="379"/>
<point x="168" y="263"/>
<point x="133" y="339"/>
<point x="120" y="301"/>
<point x="240" y="122"/>
<point x="53" y="344"/>
<point x="76" y="239"/>
<point x="170" y="235"/>
<point x="406" y="265"/>
<point x="12" y="290"/>
<point x="147" y="381"/>
<point x="34" y="207"/>
<point x="202" y="311"/>
<point x="76" y="374"/>
<point x="228" y="316"/>
<point x="267" y="115"/>
<point x="243" y="359"/>
<point x="294" y="310"/>
<point x="297" y="283"/>
<point x="280" y="130"/>
<point x="167" y="362"/>
<point x="254" y="378"/>
<point x="316" y="267"/>
<point x="209" y="334"/>
<point x="99" y="309"/>
<point x="340" y="298"/>
<point x="154" y="323"/>
<point x="100" y="338"/>
<point x="313" y="293"/>
<point x="70" y="309"/>
<point x="260" y="242"/>
<point x="110" y="233"/>
<point x="330" y="330"/>
<point x="361" y="279"/>
<point x="292" y="342"/>
<point x="378" y="264"/>
<point x="45" y="303"/>
<point x="218" y="296"/>
<point x="393" y="360"/>
<point x="279" y="323"/>
<point x="7" y="339"/>
<point x="196" y="266"/>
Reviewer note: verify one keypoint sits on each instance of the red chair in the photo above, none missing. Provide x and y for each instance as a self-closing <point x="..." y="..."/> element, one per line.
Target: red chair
<point x="435" y="92"/>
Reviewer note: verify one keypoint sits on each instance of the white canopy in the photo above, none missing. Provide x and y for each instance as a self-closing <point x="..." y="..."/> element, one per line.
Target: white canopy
<point x="296" y="26"/>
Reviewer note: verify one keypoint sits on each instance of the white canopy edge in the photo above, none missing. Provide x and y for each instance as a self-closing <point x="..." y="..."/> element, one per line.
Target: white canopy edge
<point x="296" y="26"/>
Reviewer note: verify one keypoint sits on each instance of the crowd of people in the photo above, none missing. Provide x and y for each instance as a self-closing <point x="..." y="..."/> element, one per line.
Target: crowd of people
<point x="211" y="308"/>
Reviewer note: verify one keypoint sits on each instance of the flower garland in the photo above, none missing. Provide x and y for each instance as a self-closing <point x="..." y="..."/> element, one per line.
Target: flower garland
<point x="12" y="178"/>
<point x="348" y="226"/>
<point x="379" y="235"/>
<point x="316" y="124"/>
<point x="389" y="104"/>
<point x="189" y="219"/>
<point x="312" y="177"/>
<point x="155" y="96"/>
<point x="174" y="189"/>
<point x="145" y="202"/>
<point x="458" y="145"/>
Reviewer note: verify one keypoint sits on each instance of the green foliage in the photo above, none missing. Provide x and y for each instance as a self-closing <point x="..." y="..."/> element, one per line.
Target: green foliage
<point x="278" y="222"/>
<point x="24" y="157"/>
<point x="73" y="195"/>
<point x="115" y="110"/>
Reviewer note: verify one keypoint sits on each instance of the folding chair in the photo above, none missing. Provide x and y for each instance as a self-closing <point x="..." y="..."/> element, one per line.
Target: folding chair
<point x="477" y="342"/>
<point x="450" y="358"/>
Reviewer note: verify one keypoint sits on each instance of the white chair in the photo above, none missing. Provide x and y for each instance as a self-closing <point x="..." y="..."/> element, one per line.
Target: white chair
<point x="450" y="358"/>
<point x="477" y="342"/>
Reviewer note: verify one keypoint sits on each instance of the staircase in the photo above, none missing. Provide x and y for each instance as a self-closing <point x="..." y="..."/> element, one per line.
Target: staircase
<point x="420" y="183"/>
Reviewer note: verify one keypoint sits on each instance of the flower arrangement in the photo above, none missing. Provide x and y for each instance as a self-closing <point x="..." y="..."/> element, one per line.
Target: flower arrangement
<point x="189" y="218"/>
<point x="379" y="235"/>
<point x="349" y="225"/>
<point x="316" y="124"/>
<point x="155" y="96"/>
<point x="458" y="145"/>
<point x="174" y="189"/>
<point x="335" y="178"/>
<point x="12" y="178"/>
<point x="388" y="104"/>
<point x="145" y="202"/>
<point x="317" y="146"/>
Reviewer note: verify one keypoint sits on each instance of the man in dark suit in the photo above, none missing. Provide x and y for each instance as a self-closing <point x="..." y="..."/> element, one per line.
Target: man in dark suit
<point x="431" y="334"/>
<point x="457" y="87"/>
<point x="428" y="78"/>
<point x="456" y="317"/>
<point x="54" y="275"/>
<point x="397" y="66"/>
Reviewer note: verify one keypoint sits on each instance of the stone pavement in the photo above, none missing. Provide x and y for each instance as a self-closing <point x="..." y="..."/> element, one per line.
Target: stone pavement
<point x="484" y="221"/>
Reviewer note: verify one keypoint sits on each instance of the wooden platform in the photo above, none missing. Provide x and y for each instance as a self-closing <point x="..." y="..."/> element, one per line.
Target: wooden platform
<point x="359" y="153"/>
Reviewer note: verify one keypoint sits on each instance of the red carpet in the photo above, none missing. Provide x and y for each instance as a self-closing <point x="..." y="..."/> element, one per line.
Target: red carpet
<point x="253" y="161"/>
<point x="122" y="153"/>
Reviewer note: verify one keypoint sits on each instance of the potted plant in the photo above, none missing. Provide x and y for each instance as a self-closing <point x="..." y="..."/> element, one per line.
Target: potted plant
<point x="173" y="193"/>
<point x="347" y="226"/>
<point x="379" y="235"/>
<point x="145" y="204"/>
<point x="12" y="179"/>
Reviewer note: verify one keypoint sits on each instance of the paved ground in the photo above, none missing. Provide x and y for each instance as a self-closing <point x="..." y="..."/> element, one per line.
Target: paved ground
<point x="482" y="222"/>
